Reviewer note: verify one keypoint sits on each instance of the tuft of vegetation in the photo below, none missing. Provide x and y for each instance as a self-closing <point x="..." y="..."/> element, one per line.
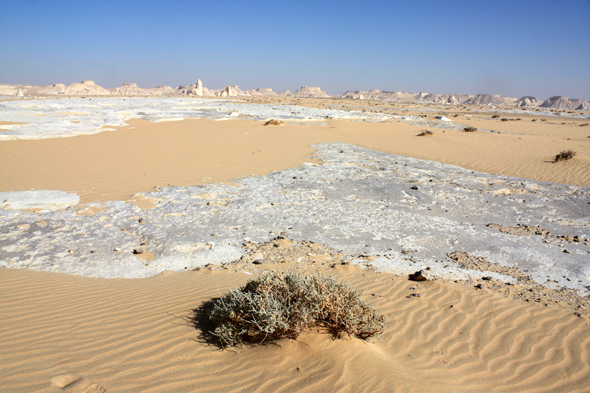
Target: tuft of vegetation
<point x="274" y="122"/>
<point x="495" y="116"/>
<point x="470" y="129"/>
<point x="283" y="305"/>
<point x="564" y="155"/>
<point x="504" y="119"/>
<point x="585" y="124"/>
<point x="425" y="133"/>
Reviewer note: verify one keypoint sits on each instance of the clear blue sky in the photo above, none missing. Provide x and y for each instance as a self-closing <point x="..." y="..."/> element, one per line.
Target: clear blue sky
<point x="513" y="48"/>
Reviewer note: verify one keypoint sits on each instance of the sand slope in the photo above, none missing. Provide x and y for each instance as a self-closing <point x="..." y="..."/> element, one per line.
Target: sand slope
<point x="87" y="334"/>
<point x="116" y="165"/>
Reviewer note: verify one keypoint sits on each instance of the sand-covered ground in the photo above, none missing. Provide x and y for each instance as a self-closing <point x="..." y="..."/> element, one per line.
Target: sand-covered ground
<point x="79" y="334"/>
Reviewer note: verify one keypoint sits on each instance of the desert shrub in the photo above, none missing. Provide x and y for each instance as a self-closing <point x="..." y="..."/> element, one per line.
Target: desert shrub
<point x="425" y="133"/>
<point x="504" y="119"/>
<point x="564" y="155"/>
<point x="584" y="125"/>
<point x="284" y="305"/>
<point x="273" y="122"/>
<point x="495" y="116"/>
<point x="470" y="129"/>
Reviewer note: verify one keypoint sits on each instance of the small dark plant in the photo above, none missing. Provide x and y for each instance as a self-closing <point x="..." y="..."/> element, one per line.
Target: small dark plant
<point x="425" y="133"/>
<point x="273" y="122"/>
<point x="284" y="305"/>
<point x="495" y="116"/>
<point x="470" y="129"/>
<point x="564" y="155"/>
<point x="504" y="119"/>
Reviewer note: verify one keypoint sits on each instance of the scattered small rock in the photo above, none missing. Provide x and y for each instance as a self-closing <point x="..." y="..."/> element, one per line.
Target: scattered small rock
<point x="137" y="251"/>
<point x="420" y="275"/>
<point x="413" y="295"/>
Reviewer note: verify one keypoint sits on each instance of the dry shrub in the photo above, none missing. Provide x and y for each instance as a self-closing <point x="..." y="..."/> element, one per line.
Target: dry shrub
<point x="425" y="133"/>
<point x="470" y="129"/>
<point x="564" y="155"/>
<point x="585" y="124"/>
<point x="495" y="116"/>
<point x="274" y="122"/>
<point x="284" y="305"/>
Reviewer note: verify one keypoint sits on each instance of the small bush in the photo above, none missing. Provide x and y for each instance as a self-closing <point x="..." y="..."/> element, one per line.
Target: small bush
<point x="495" y="116"/>
<point x="425" y="133"/>
<point x="284" y="305"/>
<point x="564" y="155"/>
<point x="504" y="119"/>
<point x="273" y="122"/>
<point x="470" y="129"/>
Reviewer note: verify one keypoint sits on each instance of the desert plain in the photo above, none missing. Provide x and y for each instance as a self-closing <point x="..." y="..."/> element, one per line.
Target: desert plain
<point x="154" y="214"/>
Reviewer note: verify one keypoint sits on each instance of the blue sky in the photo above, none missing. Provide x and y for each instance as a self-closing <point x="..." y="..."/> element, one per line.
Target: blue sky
<point x="513" y="48"/>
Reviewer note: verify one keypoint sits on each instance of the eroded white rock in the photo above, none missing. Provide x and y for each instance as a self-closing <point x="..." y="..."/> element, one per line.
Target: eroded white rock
<point x="42" y="199"/>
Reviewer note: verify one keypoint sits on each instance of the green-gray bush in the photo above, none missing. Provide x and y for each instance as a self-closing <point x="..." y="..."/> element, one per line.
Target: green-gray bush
<point x="284" y="305"/>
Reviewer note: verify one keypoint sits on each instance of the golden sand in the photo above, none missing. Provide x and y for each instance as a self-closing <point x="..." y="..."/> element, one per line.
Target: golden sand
<point x="66" y="333"/>
<point x="137" y="158"/>
<point x="135" y="335"/>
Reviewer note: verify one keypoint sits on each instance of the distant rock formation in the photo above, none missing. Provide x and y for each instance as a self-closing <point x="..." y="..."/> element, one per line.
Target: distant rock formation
<point x="262" y="92"/>
<point x="230" y="91"/>
<point x="129" y="89"/>
<point x="490" y="99"/>
<point x="562" y="103"/>
<point x="191" y="90"/>
<point x="56" y="88"/>
<point x="8" y="90"/>
<point x="86" y="88"/>
<point x="379" y="95"/>
<point x="528" y="102"/>
<point x="161" y="90"/>
<point x="308" y="91"/>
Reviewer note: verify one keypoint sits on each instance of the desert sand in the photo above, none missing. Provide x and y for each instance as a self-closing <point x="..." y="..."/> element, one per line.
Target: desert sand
<point x="91" y="335"/>
<point x="80" y="334"/>
<point x="143" y="155"/>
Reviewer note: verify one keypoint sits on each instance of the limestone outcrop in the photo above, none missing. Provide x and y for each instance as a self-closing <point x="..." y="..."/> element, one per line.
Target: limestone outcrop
<point x="129" y="89"/>
<point x="528" y="102"/>
<point x="564" y="104"/>
<point x="86" y="88"/>
<point x="310" y="92"/>
<point x="490" y="99"/>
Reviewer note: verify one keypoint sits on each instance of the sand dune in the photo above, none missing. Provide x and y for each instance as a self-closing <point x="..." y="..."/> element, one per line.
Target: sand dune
<point x="67" y="333"/>
<point x="87" y="334"/>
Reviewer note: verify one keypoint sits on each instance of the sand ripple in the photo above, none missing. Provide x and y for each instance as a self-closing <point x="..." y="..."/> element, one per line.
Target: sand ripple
<point x="76" y="334"/>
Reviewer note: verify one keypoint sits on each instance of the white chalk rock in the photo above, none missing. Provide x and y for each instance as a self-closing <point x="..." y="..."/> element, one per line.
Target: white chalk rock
<point x="443" y="118"/>
<point x="42" y="199"/>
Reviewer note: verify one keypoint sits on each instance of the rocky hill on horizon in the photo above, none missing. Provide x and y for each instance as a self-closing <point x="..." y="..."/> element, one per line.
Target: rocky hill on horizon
<point x="89" y="88"/>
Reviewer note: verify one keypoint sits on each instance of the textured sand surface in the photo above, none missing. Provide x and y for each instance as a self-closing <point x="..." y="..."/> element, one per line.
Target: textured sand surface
<point x="66" y="333"/>
<point x="91" y="335"/>
<point x="116" y="165"/>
